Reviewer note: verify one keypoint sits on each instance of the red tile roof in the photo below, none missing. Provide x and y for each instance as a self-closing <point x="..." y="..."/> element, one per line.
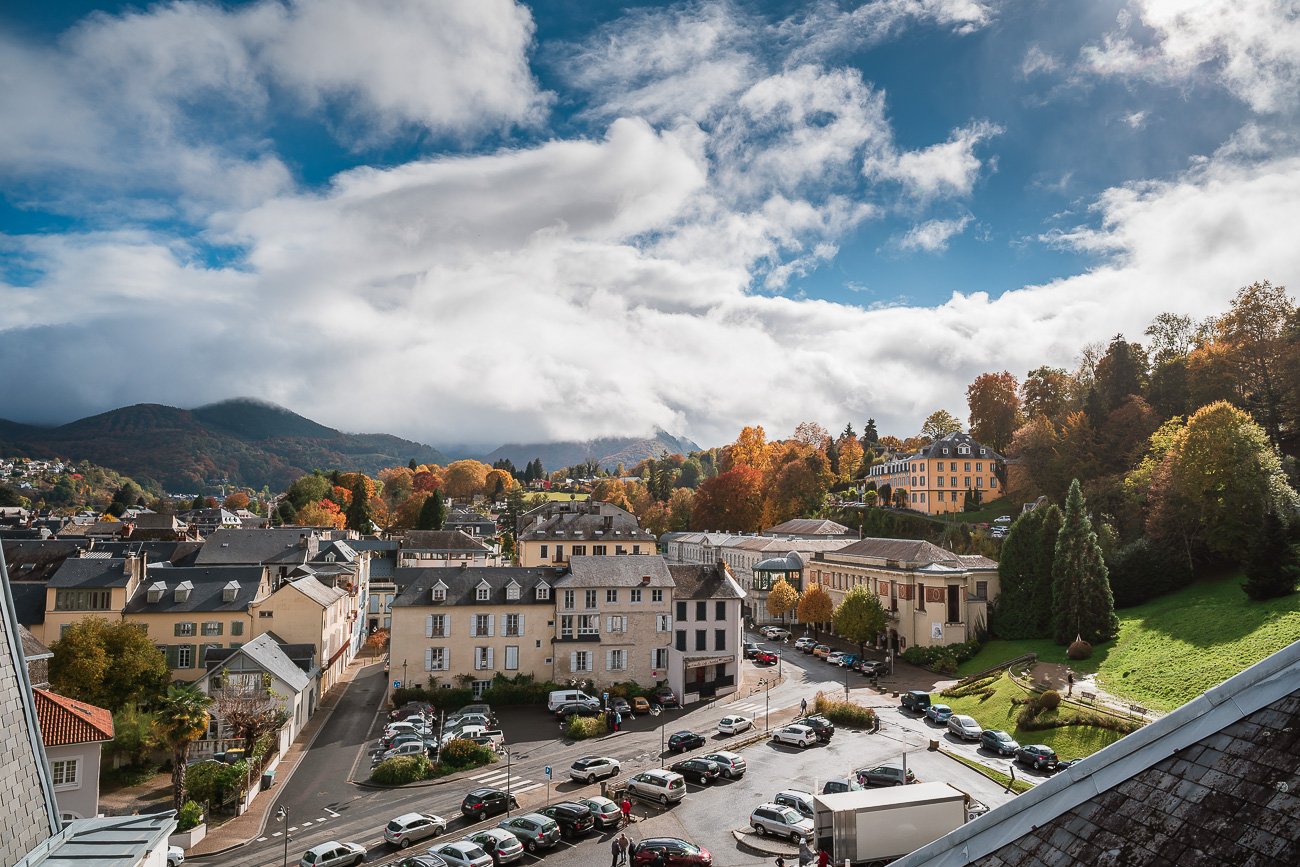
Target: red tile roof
<point x="67" y="721"/>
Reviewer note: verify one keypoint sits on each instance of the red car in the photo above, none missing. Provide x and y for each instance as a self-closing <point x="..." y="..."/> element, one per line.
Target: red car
<point x="764" y="658"/>
<point x="676" y="852"/>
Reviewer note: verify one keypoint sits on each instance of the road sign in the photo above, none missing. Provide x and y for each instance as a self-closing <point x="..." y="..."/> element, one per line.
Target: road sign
<point x="605" y="697"/>
<point x="548" y="772"/>
<point x="397" y="684"/>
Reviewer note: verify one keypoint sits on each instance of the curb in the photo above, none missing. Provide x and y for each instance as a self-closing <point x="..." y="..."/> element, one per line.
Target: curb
<point x="748" y="842"/>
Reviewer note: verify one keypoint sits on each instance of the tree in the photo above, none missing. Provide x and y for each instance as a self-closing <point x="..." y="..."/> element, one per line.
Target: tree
<point x="798" y="488"/>
<point x="1272" y="565"/>
<point x="781" y="599"/>
<point x="236" y="501"/>
<point x="133" y="736"/>
<point x="323" y="513"/>
<point x="308" y="489"/>
<point x="285" y="513"/>
<point x="730" y="501"/>
<point x="180" y="719"/>
<point x="749" y="450"/>
<point x="497" y="483"/>
<point x="358" y="514"/>
<point x="869" y="435"/>
<point x="679" y="508"/>
<point x="810" y="433"/>
<point x="464" y="479"/>
<point x="815" y="607"/>
<point x="939" y="424"/>
<point x="432" y="513"/>
<point x="248" y="705"/>
<point x="112" y="664"/>
<point x="1023" y="608"/>
<point x="1254" y="329"/>
<point x="900" y="498"/>
<point x="1120" y="372"/>
<point x="994" y="402"/>
<point x="1082" y="604"/>
<point x="860" y="617"/>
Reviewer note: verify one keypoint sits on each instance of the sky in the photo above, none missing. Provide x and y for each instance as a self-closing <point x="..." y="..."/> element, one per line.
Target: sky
<point x="492" y="221"/>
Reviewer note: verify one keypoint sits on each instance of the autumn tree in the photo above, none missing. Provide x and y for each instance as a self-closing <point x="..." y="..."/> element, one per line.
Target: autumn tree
<point x="236" y="501"/>
<point x="1082" y="604"/>
<point x="112" y="664"/>
<point x="810" y="433"/>
<point x="679" y="509"/>
<point x="939" y="424"/>
<point x="815" y="608"/>
<point x="994" y="401"/>
<point x="432" y="513"/>
<point x="248" y="705"/>
<point x="849" y="456"/>
<point x="464" y="479"/>
<point x="798" y="488"/>
<point x="498" y="483"/>
<point x="308" y="489"/>
<point x="425" y="480"/>
<point x="860" y="617"/>
<point x="398" y="484"/>
<point x="1120" y="372"/>
<point x="781" y="599"/>
<point x="730" y="501"/>
<point x="1255" y="330"/>
<point x="749" y="450"/>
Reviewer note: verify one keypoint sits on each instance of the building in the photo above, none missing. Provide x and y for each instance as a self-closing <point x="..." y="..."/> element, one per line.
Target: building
<point x="930" y="595"/>
<point x="281" y="548"/>
<point x="88" y="586"/>
<point x="472" y="524"/>
<point x="764" y="576"/>
<point x="443" y="548"/>
<point x="810" y="528"/>
<point x="705" y="657"/>
<point x="382" y="587"/>
<point x="72" y="732"/>
<point x="305" y="611"/>
<point x="453" y="626"/>
<point x="937" y="477"/>
<point x="37" y="656"/>
<point x="554" y="532"/>
<point x="1212" y="783"/>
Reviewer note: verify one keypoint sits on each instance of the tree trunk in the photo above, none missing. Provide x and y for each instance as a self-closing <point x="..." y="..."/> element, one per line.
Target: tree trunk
<point x="179" y="755"/>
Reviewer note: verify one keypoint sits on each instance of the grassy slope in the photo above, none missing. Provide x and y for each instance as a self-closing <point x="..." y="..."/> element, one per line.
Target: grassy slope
<point x="556" y="496"/>
<point x="987" y="512"/>
<point x="1173" y="648"/>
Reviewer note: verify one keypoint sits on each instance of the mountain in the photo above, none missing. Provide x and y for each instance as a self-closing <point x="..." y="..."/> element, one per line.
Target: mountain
<point x="243" y="441"/>
<point x="607" y="452"/>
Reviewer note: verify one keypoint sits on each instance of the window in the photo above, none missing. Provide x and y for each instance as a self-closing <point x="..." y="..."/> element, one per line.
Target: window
<point x="579" y="550"/>
<point x="953" y="479"/>
<point x="589" y="624"/>
<point x="480" y="687"/>
<point x="589" y="599"/>
<point x="681" y="639"/>
<point x="212" y="627"/>
<point x="659" y="657"/>
<point x="543" y="592"/>
<point x="681" y="611"/>
<point x="514" y="624"/>
<point x="482" y="624"/>
<point x="83" y="600"/>
<point x="65" y="772"/>
<point x="184" y="656"/>
<point x="701" y="639"/>
<point x="979" y="481"/>
<point x="615" y="660"/>
<point x="611" y="596"/>
<point x="265" y="613"/>
<point x="635" y="594"/>
<point x="566" y="626"/>
<point x="482" y="592"/>
<point x="184" y="629"/>
<point x="598" y="550"/>
<point x="237" y="627"/>
<point x="482" y="658"/>
<point x="979" y="466"/>
<point x="656" y="596"/>
<point x="512" y="658"/>
<point x="616" y="623"/>
<point x="966" y="482"/>
<point x="435" y="659"/>
<point x="512" y="591"/>
<point x="435" y="626"/>
<point x="981" y="589"/>
<point x="542" y="552"/>
<point x="618" y="549"/>
<point x="636" y="549"/>
<point x="938" y="481"/>
<point x="663" y="623"/>
<point x="580" y="660"/>
<point x="719" y="639"/>
<point x="559" y="553"/>
<point x="440" y="592"/>
<point x="967" y="467"/>
<point x="719" y="610"/>
<point x="702" y="610"/>
<point x="570" y="600"/>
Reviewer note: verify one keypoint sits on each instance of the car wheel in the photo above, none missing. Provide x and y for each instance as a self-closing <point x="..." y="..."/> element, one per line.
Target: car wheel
<point x="591" y="778"/>
<point x="358" y="860"/>
<point x="404" y="842"/>
<point x="728" y="774"/>
<point x="762" y="832"/>
<point x="1038" y="764"/>
<point x="898" y="782"/>
<point x="482" y="814"/>
<point x="796" y="838"/>
<point x="530" y="845"/>
<point x="663" y="799"/>
<point x="682" y="748"/>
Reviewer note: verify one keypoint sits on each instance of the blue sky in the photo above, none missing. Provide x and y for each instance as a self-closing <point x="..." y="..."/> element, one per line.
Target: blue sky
<point x="489" y="221"/>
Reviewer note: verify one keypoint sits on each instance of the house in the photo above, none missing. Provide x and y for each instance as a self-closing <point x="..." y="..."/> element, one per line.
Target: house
<point x="937" y="477"/>
<point x="471" y="523"/>
<point x="552" y="533"/>
<point x="705" y="657"/>
<point x="305" y="611"/>
<point x="443" y="548"/>
<point x="88" y="586"/>
<point x="745" y="554"/>
<point x="613" y="620"/>
<point x="337" y="564"/>
<point x="1212" y="783"/>
<point x="205" y="522"/>
<point x="809" y="528"/>
<point x="470" y="624"/>
<point x="159" y="526"/>
<point x="72" y="732"/>
<point x="382" y="587"/>
<point x="281" y="548"/>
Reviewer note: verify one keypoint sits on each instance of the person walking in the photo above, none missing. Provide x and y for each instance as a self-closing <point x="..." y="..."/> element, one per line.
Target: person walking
<point x="823" y="858"/>
<point x="803" y="707"/>
<point x="615" y="852"/>
<point x="1070" y="681"/>
<point x="618" y="720"/>
<point x="626" y="808"/>
<point x="623" y="845"/>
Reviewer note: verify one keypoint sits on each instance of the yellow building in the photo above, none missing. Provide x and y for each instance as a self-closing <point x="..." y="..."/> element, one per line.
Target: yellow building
<point x="305" y="611"/>
<point x="936" y="478"/>
<point x="554" y="532"/>
<point x="88" y="587"/>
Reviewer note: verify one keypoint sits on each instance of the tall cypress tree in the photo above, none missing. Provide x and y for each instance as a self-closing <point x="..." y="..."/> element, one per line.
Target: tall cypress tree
<point x="1271" y="565"/>
<point x="1024" y="605"/>
<point x="433" y="513"/>
<point x="358" y="513"/>
<point x="1082" y="603"/>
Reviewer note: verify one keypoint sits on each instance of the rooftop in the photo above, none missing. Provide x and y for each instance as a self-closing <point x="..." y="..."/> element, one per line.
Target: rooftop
<point x="462" y="585"/>
<point x="207" y="589"/>
<point x="441" y="540"/>
<point x="91" y="572"/>
<point x="808" y="527"/>
<point x="704" y="582"/>
<point x="226" y="547"/>
<point x="68" y="721"/>
<point x="626" y="571"/>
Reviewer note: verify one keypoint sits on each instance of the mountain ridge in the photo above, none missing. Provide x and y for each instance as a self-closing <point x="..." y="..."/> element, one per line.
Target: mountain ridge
<point x="607" y="452"/>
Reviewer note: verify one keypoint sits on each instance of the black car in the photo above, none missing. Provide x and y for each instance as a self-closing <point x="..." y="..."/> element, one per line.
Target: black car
<point x="839" y="785"/>
<point x="664" y="697"/>
<point x="751" y="649"/>
<point x="577" y="708"/>
<point x="683" y="741"/>
<point x="411" y="708"/>
<point x="884" y="775"/>
<point x="916" y="700"/>
<point x="701" y="771"/>
<point x="481" y="803"/>
<point x="575" y="820"/>
<point x="825" y="728"/>
<point x="1037" y="756"/>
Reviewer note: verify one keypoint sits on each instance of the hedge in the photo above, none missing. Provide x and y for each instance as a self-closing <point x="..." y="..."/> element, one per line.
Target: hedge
<point x="984" y="687"/>
<point x="944" y="658"/>
<point x="522" y="689"/>
<point x="1040" y="712"/>
<point x="462" y="753"/>
<point x="843" y="712"/>
<point x="579" y="728"/>
<point x="401" y="770"/>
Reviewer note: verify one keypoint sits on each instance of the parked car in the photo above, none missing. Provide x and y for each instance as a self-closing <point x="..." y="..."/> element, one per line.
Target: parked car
<point x="998" y="742"/>
<point x="640" y="704"/>
<point x="751" y="649"/>
<point x="1037" y="756"/>
<point x="848" y="660"/>
<point x="409" y="827"/>
<point x="656" y="785"/>
<point x="463" y="853"/>
<point x="426" y="860"/>
<point x="484" y="802"/>
<point x="175" y="856"/>
<point x="884" y="775"/>
<point x="665" y="697"/>
<point x="839" y="785"/>
<point x="411" y="748"/>
<point x="916" y="700"/>
<point x="800" y="736"/>
<point x="871" y="667"/>
<point x="577" y="708"/>
<point x="411" y="708"/>
<point x="503" y="846"/>
<point x="534" y="830"/>
<point x="806" y="644"/>
<point x="685" y="740"/>
<point x="618" y="704"/>
<point x="731" y="764"/>
<point x="1002" y="519"/>
<point x="764" y="657"/>
<point x="702" y="771"/>
<point x="478" y="707"/>
<point x="964" y="727"/>
<point x="824" y="728"/>
<point x="734" y="724"/>
<point x="603" y="810"/>
<point x="333" y="854"/>
<point x="821" y="651"/>
<point x="677" y="853"/>
<point x="796" y="800"/>
<point x="834" y="657"/>
<point x="588" y="769"/>
<point x="461" y="720"/>
<point x="780" y="821"/>
<point x="938" y="713"/>
<point x="574" y="819"/>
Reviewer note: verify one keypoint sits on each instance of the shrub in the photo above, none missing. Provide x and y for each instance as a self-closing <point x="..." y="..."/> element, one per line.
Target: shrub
<point x="982" y="687"/>
<point x="190" y="815"/>
<point x="441" y="698"/>
<point x="944" y="657"/>
<point x="844" y="712"/>
<point x="1079" y="649"/>
<point x="579" y="728"/>
<point x="464" y="753"/>
<point x="127" y="776"/>
<point x="520" y="689"/>
<point x="401" y="770"/>
<point x="1049" y="700"/>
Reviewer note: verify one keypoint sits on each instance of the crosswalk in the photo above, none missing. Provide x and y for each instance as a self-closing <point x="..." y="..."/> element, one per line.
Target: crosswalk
<point x="497" y="779"/>
<point x="748" y="708"/>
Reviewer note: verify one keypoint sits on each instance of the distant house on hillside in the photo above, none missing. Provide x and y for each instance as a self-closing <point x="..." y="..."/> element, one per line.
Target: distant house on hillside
<point x="937" y="477"/>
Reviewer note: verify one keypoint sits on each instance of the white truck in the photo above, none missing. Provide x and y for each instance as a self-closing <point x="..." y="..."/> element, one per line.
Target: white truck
<point x="876" y="826"/>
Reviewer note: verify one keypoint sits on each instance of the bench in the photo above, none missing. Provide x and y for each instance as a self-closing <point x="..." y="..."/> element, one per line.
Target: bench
<point x="1089" y="697"/>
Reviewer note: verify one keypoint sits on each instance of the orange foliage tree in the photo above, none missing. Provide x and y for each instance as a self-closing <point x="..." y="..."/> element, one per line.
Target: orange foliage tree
<point x="731" y="501"/>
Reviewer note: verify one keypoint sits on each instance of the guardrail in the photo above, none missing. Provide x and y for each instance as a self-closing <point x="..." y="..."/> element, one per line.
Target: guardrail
<point x="1028" y="658"/>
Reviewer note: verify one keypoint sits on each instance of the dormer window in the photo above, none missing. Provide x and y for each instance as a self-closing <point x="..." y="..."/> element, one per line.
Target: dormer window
<point x="183" y="591"/>
<point x="964" y="450"/>
<point x="230" y="591"/>
<point x="512" y="590"/>
<point x="331" y="557"/>
<point x="156" y="591"/>
<point x="439" y="592"/>
<point x="543" y="591"/>
<point x="482" y="592"/>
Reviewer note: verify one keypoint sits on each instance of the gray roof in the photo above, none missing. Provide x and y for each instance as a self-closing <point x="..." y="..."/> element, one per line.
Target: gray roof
<point x="904" y="554"/>
<point x="267" y="653"/>
<point x="29" y="602"/>
<point x="370" y="543"/>
<point x="32" y="647"/>
<point x="704" y="582"/>
<point x="116" y="841"/>
<point x="37" y="560"/>
<point x="316" y="591"/>
<point x="441" y="540"/>
<point x="952" y="442"/>
<point x="243" y="547"/>
<point x="618" y="571"/>
<point x="383" y="566"/>
<point x="791" y="562"/>
<point x="156" y="521"/>
<point x="1212" y="783"/>
<point x="592" y="521"/>
<point x="808" y="527"/>
<point x="91" y="572"/>
<point x="207" y="589"/>
<point x="176" y="553"/>
<point x="462" y="585"/>
<point x="343" y="552"/>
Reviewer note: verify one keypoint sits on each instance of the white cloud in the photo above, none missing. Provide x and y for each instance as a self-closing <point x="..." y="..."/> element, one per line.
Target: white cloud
<point x="947" y="169"/>
<point x="933" y="235"/>
<point x="826" y="30"/>
<point x="1038" y="61"/>
<point x="1136" y="119"/>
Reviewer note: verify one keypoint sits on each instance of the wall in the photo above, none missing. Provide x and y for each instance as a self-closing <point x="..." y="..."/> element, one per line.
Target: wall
<point x="408" y="641"/>
<point x="82" y="797"/>
<point x="639" y="641"/>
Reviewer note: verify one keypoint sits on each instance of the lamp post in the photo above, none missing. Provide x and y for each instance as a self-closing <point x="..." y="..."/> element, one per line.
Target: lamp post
<point x="662" y="745"/>
<point x="846" y="682"/>
<point x="283" y="816"/>
<point x="404" y="683"/>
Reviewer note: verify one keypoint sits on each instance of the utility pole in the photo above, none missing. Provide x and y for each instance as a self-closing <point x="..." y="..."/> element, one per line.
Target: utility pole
<point x="283" y="816"/>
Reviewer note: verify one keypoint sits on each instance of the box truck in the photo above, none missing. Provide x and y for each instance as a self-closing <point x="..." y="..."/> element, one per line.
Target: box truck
<point x="876" y="826"/>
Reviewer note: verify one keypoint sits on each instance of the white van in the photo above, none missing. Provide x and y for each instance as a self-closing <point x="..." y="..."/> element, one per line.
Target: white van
<point x="565" y="696"/>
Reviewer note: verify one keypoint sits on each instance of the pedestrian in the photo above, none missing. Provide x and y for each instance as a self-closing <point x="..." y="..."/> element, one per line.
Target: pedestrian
<point x="1070" y="680"/>
<point x="623" y="844"/>
<point x="803" y="707"/>
<point x="626" y="807"/>
<point x="661" y="860"/>
<point x="780" y="862"/>
<point x="823" y="858"/>
<point x="806" y="854"/>
<point x="618" y="720"/>
<point x="615" y="852"/>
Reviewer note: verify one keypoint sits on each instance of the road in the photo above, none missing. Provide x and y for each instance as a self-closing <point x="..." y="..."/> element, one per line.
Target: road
<point x="323" y="806"/>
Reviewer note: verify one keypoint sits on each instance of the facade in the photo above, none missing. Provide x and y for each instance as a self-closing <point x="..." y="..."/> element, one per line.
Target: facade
<point x="553" y="533"/>
<point x="613" y="620"/>
<point x="470" y="624"/>
<point x="930" y="595"/>
<point x="72" y="732"/>
<point x="85" y="587"/>
<point x="766" y="574"/>
<point x="443" y="548"/>
<point x="305" y="611"/>
<point x="704" y="660"/>
<point x="937" y="477"/>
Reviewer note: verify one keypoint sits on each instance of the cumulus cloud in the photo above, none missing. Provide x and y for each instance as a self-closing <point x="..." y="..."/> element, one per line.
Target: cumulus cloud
<point x="933" y="235"/>
<point x="1038" y="61"/>
<point x="946" y="169"/>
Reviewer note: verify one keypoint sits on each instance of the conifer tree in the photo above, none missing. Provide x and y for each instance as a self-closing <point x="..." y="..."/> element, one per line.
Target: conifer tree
<point x="1271" y="565"/>
<point x="433" y="513"/>
<point x="1082" y="604"/>
<point x="358" y="513"/>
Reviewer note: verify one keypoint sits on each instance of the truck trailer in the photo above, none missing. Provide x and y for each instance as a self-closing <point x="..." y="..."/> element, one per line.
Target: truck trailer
<point x="876" y="826"/>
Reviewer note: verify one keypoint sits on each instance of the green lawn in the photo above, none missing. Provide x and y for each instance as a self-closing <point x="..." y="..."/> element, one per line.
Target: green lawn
<point x="1173" y="648"/>
<point x="561" y="495"/>
<point x="987" y="512"/>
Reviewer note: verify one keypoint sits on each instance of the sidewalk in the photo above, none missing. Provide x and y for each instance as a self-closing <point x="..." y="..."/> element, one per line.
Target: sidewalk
<point x="241" y="829"/>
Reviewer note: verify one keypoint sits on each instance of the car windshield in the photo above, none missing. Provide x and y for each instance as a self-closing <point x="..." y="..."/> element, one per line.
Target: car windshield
<point x="790" y="816"/>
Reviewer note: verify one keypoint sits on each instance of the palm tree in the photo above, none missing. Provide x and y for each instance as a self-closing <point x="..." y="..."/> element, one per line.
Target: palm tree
<point x="180" y="719"/>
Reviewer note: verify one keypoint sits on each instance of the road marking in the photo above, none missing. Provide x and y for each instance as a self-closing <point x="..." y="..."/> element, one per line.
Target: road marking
<point x="294" y="828"/>
<point x="331" y="812"/>
<point x="489" y="774"/>
<point x="261" y="839"/>
<point x="277" y="833"/>
<point x="307" y="824"/>
<point x="519" y="790"/>
<point x="319" y="821"/>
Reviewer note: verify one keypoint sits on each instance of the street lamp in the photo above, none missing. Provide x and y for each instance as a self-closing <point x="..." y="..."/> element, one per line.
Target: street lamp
<point x="767" y="696"/>
<point x="404" y="683"/>
<point x="662" y="745"/>
<point x="283" y="816"/>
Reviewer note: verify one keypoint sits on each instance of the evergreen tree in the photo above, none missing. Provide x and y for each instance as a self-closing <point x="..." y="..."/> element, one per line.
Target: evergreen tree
<point x="1271" y="565"/>
<point x="1016" y="612"/>
<point x="358" y="514"/>
<point x="412" y="465"/>
<point x="1082" y="604"/>
<point x="285" y="513"/>
<point x="199" y="502"/>
<point x="432" y="513"/>
<point x="869" y="435"/>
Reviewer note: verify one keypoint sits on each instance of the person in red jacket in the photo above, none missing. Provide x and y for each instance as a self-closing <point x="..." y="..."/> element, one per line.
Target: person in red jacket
<point x="823" y="858"/>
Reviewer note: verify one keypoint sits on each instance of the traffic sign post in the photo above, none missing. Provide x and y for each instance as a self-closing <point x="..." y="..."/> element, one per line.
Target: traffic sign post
<point x="548" y="784"/>
<point x="397" y="684"/>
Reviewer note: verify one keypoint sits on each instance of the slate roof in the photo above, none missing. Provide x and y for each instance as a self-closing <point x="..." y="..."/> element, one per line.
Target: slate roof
<point x="616" y="571"/>
<point x="342" y="551"/>
<point x="226" y="547"/>
<point x="586" y="521"/>
<point x="29" y="602"/>
<point x="37" y="560"/>
<point x="157" y="521"/>
<point x="791" y="562"/>
<point x="266" y="653"/>
<point x="704" y="582"/>
<point x="763" y="544"/>
<point x="808" y="527"/>
<point x="1212" y="783"/>
<point x="32" y="647"/>
<point x="952" y="442"/>
<point x="119" y="841"/>
<point x="462" y="585"/>
<point x="157" y="551"/>
<point x="370" y="543"/>
<point x="441" y="540"/>
<point x="67" y="721"/>
<point x="91" y="572"/>
<point x="905" y="554"/>
<point x="208" y="586"/>
<point x="317" y="592"/>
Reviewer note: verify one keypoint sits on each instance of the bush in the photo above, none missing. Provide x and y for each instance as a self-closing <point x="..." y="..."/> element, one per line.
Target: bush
<point x="126" y="776"/>
<point x="982" y="687"/>
<point x="1049" y="700"/>
<point x="844" y="712"/>
<point x="190" y="815"/>
<point x="463" y="753"/>
<point x="441" y="698"/>
<point x="1079" y="649"/>
<point x="520" y="689"/>
<point x="579" y="728"/>
<point x="944" y="657"/>
<point x="401" y="770"/>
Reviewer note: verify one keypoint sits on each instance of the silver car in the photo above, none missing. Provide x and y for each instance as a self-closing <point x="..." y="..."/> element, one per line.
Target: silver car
<point x="463" y="853"/>
<point x="781" y="821"/>
<point x="661" y="786"/>
<point x="501" y="845"/>
<point x="409" y="827"/>
<point x="965" y="727"/>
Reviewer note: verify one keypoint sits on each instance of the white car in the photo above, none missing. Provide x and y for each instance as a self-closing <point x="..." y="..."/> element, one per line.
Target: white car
<point x="800" y="736"/>
<point x="465" y="719"/>
<point x="333" y="854"/>
<point x="656" y="785"/>
<point x="588" y="769"/>
<point x="175" y="855"/>
<point x="776" y="633"/>
<point x="734" y="724"/>
<point x="415" y="748"/>
<point x="835" y="657"/>
<point x="404" y="728"/>
<point x="409" y="827"/>
<point x="462" y="853"/>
